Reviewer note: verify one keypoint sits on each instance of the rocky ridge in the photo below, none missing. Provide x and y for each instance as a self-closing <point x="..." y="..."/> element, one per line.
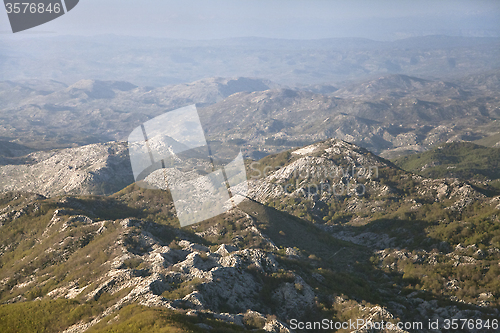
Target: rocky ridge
<point x="268" y="257"/>
<point x="92" y="169"/>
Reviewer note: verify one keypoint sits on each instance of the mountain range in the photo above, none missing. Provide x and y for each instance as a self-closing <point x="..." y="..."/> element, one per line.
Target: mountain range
<point x="329" y="230"/>
<point x="372" y="170"/>
<point x="391" y="115"/>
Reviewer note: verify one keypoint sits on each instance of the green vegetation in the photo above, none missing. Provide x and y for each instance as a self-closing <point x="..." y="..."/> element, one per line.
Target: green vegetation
<point x="268" y="164"/>
<point x="135" y="318"/>
<point x="471" y="279"/>
<point x="464" y="160"/>
<point x="57" y="315"/>
<point x="42" y="316"/>
<point x="78" y="248"/>
<point x="182" y="289"/>
<point x="431" y="227"/>
<point x="489" y="141"/>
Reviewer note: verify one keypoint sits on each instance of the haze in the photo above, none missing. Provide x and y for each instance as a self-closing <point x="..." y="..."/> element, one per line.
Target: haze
<point x="292" y="19"/>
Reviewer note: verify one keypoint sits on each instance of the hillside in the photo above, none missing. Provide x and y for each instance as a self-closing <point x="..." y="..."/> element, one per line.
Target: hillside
<point x="397" y="86"/>
<point x="392" y="115"/>
<point x="463" y="160"/>
<point x="489" y="141"/>
<point x="315" y="239"/>
<point x="92" y="169"/>
<point x="13" y="153"/>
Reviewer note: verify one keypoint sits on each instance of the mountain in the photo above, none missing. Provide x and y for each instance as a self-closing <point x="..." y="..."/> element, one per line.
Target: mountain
<point x="489" y="80"/>
<point x="206" y="91"/>
<point x="463" y="160"/>
<point x="392" y="115"/>
<point x="329" y="230"/>
<point x="93" y="169"/>
<point x="11" y="153"/>
<point x="334" y="169"/>
<point x="11" y="93"/>
<point x="92" y="111"/>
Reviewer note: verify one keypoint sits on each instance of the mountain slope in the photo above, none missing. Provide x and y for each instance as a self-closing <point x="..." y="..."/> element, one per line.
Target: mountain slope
<point x="393" y="246"/>
<point x="489" y="141"/>
<point x="12" y="153"/>
<point x="465" y="160"/>
<point x="13" y="92"/>
<point x="276" y="120"/>
<point x="93" y="169"/>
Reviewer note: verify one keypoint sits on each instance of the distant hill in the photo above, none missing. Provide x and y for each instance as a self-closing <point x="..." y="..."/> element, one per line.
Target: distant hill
<point x="487" y="80"/>
<point x="391" y="115"/>
<point x="10" y="151"/>
<point x="159" y="61"/>
<point x="12" y="92"/>
<point x="397" y="85"/>
<point x="91" y="111"/>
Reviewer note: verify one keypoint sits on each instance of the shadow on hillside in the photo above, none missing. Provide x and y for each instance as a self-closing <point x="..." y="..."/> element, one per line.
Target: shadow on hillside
<point x="404" y="234"/>
<point x="340" y="267"/>
<point x="103" y="208"/>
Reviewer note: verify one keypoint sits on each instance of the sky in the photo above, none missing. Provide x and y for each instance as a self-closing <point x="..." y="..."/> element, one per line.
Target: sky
<point x="291" y="19"/>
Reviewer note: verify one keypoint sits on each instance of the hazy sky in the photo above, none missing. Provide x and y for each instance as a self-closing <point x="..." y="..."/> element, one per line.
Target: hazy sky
<point x="304" y="19"/>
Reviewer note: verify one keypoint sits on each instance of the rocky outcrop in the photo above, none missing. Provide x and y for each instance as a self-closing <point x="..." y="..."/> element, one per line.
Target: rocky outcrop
<point x="92" y="169"/>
